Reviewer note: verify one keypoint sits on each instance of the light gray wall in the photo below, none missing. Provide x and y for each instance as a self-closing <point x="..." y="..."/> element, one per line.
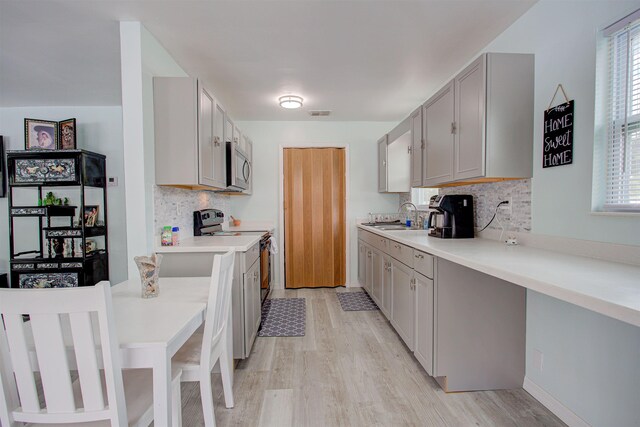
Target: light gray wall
<point x="591" y="362"/>
<point x="99" y="130"/>
<point x="361" y="139"/>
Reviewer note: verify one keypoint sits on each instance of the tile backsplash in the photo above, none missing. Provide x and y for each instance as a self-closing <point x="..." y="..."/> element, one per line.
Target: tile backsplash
<point x="175" y="206"/>
<point x="487" y="196"/>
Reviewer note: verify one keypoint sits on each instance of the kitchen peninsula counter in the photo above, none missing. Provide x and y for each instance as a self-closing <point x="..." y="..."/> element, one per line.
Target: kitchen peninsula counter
<point x="239" y="243"/>
<point x="605" y="287"/>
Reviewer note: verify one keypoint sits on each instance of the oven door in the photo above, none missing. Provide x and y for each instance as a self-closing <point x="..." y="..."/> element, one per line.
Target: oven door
<point x="265" y="269"/>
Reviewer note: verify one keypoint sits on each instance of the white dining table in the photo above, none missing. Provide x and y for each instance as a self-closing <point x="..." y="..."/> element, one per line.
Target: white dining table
<point x="152" y="330"/>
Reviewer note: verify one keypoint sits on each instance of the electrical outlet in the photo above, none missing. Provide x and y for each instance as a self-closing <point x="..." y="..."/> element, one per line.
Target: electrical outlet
<point x="538" y="359"/>
<point x="507" y="207"/>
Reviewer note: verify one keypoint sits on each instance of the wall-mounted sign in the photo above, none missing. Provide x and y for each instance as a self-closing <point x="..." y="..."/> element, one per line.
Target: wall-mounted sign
<point x="557" y="144"/>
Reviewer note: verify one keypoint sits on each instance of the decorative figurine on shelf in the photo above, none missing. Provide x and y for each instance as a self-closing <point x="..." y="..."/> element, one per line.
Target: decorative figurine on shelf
<point x="149" y="268"/>
<point x="58" y="247"/>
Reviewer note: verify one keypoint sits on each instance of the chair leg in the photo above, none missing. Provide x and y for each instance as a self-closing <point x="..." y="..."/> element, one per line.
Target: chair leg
<point x="226" y="374"/>
<point x="206" y="394"/>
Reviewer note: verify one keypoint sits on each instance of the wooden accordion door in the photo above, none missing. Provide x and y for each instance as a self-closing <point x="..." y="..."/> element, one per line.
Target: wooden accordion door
<point x="314" y="217"/>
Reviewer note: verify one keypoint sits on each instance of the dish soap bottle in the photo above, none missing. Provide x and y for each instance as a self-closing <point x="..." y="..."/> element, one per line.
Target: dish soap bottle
<point x="165" y="237"/>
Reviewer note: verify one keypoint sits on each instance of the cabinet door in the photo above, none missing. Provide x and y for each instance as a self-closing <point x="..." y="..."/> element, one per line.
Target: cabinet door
<point x="424" y="322"/>
<point x="376" y="276"/>
<point x="402" y="301"/>
<point x="219" y="149"/>
<point x="362" y="262"/>
<point x="437" y="159"/>
<point x="251" y="306"/>
<point x="386" y="286"/>
<point x="417" y="147"/>
<point x="382" y="164"/>
<point x="206" y="111"/>
<point x="228" y="129"/>
<point x="368" y="273"/>
<point x="470" y="92"/>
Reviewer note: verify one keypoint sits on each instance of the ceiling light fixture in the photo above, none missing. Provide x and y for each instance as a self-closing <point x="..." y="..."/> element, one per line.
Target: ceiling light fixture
<point x="290" y="101"/>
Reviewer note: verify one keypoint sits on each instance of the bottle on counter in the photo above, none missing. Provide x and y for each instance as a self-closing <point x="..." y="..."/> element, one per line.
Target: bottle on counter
<point x="175" y="236"/>
<point x="165" y="237"/>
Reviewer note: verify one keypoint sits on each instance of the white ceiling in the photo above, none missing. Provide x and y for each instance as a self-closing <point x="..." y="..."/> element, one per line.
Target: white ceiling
<point x="364" y="60"/>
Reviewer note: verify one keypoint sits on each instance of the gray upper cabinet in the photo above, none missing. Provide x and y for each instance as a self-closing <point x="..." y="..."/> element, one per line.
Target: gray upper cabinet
<point x="417" y="147"/>
<point x="187" y="154"/>
<point x="481" y="124"/>
<point x="394" y="160"/>
<point x="438" y="115"/>
<point x="382" y="164"/>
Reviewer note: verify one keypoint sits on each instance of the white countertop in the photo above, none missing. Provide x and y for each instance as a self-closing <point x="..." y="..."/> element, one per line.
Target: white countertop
<point x="250" y="226"/>
<point x="605" y="287"/>
<point x="240" y="243"/>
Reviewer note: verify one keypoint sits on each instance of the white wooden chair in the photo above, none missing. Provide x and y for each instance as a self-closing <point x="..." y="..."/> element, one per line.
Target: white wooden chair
<point x="207" y="345"/>
<point x="98" y="397"/>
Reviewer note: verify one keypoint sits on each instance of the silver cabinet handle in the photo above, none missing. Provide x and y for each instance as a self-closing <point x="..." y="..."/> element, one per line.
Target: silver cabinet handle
<point x="216" y="141"/>
<point x="419" y="256"/>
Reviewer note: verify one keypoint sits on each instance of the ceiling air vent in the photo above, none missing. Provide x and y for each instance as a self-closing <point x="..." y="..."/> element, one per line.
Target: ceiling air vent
<point x="319" y="113"/>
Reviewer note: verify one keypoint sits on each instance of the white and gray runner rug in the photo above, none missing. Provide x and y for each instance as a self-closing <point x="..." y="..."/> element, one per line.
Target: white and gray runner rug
<point x="283" y="317"/>
<point x="356" y="301"/>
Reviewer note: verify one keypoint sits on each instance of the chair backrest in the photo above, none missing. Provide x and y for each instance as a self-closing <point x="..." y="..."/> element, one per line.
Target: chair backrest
<point x="218" y="304"/>
<point x="49" y="310"/>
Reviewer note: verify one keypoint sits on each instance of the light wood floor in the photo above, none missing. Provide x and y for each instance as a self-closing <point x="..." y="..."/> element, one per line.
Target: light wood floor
<point x="351" y="369"/>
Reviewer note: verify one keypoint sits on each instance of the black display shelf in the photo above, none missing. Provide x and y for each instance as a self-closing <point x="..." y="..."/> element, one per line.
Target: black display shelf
<point x="48" y="210"/>
<point x="58" y="168"/>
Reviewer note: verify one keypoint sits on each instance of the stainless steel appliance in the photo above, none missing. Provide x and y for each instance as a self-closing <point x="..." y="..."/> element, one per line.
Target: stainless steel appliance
<point x="238" y="167"/>
<point x="208" y="222"/>
<point x="265" y="266"/>
<point x="251" y="282"/>
<point x="452" y="217"/>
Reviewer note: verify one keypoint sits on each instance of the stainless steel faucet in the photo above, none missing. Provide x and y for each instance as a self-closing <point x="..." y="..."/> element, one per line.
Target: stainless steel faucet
<point x="415" y="210"/>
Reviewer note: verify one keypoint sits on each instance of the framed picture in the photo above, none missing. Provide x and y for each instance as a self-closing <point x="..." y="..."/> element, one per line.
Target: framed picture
<point x="67" y="136"/>
<point x="40" y="134"/>
<point x="90" y="215"/>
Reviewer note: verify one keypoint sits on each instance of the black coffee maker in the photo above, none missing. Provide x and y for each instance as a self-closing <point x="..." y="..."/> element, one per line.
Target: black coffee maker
<point x="452" y="217"/>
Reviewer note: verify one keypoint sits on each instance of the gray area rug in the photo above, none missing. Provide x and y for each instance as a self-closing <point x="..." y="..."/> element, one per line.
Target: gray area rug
<point x="356" y="301"/>
<point x="283" y="317"/>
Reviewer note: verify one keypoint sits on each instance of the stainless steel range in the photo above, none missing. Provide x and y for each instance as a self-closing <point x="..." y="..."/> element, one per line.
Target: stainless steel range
<point x="208" y="222"/>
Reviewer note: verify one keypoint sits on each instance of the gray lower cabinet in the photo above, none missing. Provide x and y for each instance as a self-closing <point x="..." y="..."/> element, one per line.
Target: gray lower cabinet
<point x="466" y="328"/>
<point x="403" y="301"/>
<point x="245" y="292"/>
<point x="376" y="276"/>
<point x="368" y="273"/>
<point x="252" y="305"/>
<point x="385" y="305"/>
<point x="424" y="304"/>
<point x="362" y="262"/>
<point x="480" y="327"/>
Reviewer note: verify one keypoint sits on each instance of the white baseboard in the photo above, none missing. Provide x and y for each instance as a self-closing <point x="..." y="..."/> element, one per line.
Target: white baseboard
<point x="551" y="403"/>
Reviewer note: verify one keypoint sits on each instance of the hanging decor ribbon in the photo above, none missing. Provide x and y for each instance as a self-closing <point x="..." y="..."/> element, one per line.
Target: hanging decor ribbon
<point x="557" y="144"/>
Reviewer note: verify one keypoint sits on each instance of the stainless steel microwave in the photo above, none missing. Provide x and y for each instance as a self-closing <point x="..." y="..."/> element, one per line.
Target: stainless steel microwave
<point x="238" y="168"/>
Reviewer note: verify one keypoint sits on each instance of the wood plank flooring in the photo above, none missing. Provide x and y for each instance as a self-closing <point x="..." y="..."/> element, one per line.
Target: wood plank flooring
<point x="350" y="369"/>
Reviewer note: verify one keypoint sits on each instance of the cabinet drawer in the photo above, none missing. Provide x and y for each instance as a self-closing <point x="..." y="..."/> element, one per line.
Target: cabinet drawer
<point x="402" y="253"/>
<point x="380" y="243"/>
<point x="423" y="263"/>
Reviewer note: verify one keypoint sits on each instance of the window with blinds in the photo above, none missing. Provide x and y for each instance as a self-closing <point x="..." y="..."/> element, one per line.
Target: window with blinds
<point x="622" y="192"/>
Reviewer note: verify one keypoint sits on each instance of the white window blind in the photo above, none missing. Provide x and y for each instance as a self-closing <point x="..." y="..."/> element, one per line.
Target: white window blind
<point x="623" y="119"/>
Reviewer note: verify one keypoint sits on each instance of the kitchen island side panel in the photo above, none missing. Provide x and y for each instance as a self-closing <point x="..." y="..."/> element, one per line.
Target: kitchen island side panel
<point x="480" y="330"/>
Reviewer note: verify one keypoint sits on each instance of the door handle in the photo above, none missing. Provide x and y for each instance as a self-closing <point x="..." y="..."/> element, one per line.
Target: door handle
<point x="216" y="141"/>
